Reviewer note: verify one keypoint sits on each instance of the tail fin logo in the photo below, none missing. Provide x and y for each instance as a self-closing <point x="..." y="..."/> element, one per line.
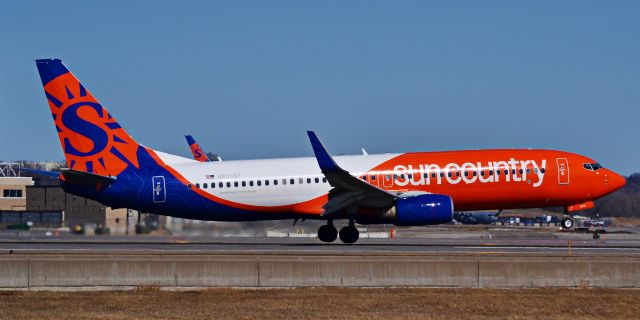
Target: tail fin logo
<point x="91" y="139"/>
<point x="198" y="154"/>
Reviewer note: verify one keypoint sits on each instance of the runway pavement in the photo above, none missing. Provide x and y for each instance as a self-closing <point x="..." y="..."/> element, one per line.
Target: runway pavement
<point x="311" y="246"/>
<point x="431" y="241"/>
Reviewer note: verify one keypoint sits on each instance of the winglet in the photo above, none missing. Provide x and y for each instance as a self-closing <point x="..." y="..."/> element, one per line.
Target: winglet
<point x="325" y="161"/>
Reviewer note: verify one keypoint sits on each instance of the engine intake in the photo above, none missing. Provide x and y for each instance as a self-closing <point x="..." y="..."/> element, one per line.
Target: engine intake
<point x="421" y="210"/>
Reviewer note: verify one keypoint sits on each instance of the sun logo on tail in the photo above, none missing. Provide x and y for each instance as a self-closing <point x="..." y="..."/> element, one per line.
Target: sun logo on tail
<point x="91" y="139"/>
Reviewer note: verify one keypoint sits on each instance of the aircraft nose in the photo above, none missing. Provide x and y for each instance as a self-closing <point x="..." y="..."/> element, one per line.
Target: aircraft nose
<point x="616" y="181"/>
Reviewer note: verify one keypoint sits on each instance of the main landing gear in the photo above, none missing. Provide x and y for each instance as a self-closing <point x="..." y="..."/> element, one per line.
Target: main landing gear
<point x="328" y="232"/>
<point x="348" y="234"/>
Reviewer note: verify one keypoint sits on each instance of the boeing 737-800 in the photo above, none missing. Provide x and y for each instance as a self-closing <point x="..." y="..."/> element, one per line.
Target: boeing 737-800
<point x="408" y="189"/>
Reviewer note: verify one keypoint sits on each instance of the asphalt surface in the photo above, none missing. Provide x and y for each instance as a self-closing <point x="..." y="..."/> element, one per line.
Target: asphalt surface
<point x="418" y="241"/>
<point x="311" y="246"/>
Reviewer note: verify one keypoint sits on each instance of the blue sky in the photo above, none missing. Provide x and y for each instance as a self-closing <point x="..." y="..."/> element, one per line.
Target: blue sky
<point x="248" y="78"/>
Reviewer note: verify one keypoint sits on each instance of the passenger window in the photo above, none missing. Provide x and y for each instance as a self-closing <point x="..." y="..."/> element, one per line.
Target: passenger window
<point x="308" y="180"/>
<point x="373" y="178"/>
<point x="410" y="175"/>
<point x="300" y="181"/>
<point x="521" y="171"/>
<point x="457" y="173"/>
<point x="244" y="184"/>
<point x="449" y="174"/>
<point x="266" y="182"/>
<point x="251" y="183"/>
<point x="466" y="173"/>
<point x="189" y="186"/>
<point x="513" y="171"/>
<point x="387" y="177"/>
<point x="506" y="172"/>
<point x="528" y="170"/>
<point x="490" y="172"/>
<point x="475" y="173"/>
<point x="205" y="185"/>
<point x="497" y="172"/>
<point x="441" y="174"/>
<point x="259" y="182"/>
<point x="543" y="170"/>
<point x="324" y="180"/>
<point x="213" y="185"/>
<point x="275" y="182"/>
<point x="228" y="184"/>
<point x="235" y="183"/>
<point x="433" y="174"/>
<point x="482" y="173"/>
<point x="317" y="180"/>
<point x="291" y="181"/>
<point x="284" y="182"/>
<point x="425" y="175"/>
<point x="220" y="185"/>
<point x="197" y="186"/>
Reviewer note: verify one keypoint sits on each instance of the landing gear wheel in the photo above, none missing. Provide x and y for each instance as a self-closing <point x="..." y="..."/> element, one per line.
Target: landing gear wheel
<point x="349" y="234"/>
<point x="567" y="223"/>
<point x="327" y="233"/>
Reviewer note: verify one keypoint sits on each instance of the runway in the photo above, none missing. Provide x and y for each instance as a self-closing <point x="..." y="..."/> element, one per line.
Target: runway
<point x="310" y="246"/>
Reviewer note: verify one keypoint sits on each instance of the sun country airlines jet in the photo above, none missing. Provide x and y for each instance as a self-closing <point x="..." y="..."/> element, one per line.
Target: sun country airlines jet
<point x="407" y="189"/>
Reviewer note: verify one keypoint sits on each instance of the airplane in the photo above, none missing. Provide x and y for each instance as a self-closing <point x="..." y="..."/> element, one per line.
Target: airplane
<point x="106" y="164"/>
<point x="198" y="154"/>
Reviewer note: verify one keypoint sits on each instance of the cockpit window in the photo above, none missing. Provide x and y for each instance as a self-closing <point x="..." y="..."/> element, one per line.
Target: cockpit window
<point x="592" y="166"/>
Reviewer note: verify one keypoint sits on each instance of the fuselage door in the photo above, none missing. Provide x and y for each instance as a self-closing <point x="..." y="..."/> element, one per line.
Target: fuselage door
<point x="563" y="170"/>
<point x="159" y="190"/>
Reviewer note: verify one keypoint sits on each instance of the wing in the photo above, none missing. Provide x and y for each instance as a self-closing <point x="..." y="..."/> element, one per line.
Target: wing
<point x="348" y="191"/>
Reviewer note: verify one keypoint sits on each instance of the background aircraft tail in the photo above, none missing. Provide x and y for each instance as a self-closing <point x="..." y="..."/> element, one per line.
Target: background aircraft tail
<point x="198" y="153"/>
<point x="91" y="139"/>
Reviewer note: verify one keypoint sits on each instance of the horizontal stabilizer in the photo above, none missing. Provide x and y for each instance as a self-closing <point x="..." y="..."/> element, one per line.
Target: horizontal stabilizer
<point x="87" y="179"/>
<point x="52" y="174"/>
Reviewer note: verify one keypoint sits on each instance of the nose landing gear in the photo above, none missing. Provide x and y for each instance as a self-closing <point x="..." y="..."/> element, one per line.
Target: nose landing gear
<point x="567" y="223"/>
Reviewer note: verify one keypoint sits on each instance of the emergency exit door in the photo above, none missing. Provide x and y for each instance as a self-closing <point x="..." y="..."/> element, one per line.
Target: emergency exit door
<point x="563" y="170"/>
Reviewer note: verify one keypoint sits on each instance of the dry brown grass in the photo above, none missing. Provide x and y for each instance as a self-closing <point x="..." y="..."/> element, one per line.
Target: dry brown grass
<point x="325" y="303"/>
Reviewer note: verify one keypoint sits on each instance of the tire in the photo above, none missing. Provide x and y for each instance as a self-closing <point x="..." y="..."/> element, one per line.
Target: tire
<point x="567" y="223"/>
<point x="327" y="233"/>
<point x="349" y="234"/>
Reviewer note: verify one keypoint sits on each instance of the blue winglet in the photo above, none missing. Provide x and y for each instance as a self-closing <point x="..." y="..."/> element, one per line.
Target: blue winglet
<point x="325" y="161"/>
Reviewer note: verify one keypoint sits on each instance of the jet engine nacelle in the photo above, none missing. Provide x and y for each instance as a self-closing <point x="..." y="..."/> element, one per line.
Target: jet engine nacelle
<point x="421" y="210"/>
